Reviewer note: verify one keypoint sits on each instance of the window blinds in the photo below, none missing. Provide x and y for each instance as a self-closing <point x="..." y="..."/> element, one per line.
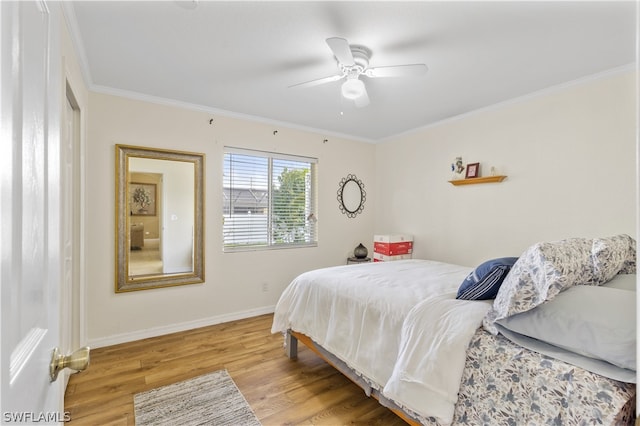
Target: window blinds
<point x="269" y="200"/>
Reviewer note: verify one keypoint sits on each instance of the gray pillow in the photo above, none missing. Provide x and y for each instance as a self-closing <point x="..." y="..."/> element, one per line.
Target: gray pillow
<point x="623" y="282"/>
<point x="595" y="321"/>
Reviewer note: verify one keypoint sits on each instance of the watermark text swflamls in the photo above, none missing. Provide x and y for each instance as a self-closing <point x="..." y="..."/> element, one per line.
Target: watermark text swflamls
<point x="31" y="417"/>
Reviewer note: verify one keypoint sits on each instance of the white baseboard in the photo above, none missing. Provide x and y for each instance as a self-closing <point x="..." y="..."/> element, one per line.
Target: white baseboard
<point x="174" y="328"/>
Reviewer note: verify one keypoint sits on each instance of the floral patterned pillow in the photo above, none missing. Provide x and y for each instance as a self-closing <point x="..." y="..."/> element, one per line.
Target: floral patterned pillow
<point x="547" y="268"/>
<point x="612" y="256"/>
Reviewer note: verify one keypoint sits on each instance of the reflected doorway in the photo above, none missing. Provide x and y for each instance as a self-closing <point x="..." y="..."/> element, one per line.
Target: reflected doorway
<point x="145" y="255"/>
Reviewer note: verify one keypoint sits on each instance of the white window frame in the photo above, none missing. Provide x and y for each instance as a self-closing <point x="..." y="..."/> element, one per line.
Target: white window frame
<point x="310" y="227"/>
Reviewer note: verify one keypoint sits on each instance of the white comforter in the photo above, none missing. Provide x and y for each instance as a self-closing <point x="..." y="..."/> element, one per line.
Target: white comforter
<point x="396" y="323"/>
<point x="435" y="337"/>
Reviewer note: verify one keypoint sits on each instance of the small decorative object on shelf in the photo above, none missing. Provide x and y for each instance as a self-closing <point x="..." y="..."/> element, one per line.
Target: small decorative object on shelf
<point x="360" y="252"/>
<point x="473" y="171"/>
<point x="457" y="169"/>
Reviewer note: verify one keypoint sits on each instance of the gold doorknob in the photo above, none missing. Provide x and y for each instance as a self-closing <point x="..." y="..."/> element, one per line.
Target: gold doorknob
<point x="78" y="360"/>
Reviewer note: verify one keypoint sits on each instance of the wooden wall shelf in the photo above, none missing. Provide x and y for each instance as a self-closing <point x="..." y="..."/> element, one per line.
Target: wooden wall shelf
<point x="486" y="179"/>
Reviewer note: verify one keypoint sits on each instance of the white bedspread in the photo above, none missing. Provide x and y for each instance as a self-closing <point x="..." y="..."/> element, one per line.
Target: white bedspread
<point x="389" y="320"/>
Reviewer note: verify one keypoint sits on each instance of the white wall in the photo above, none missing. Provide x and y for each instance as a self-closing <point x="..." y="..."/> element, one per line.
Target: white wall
<point x="570" y="157"/>
<point x="234" y="281"/>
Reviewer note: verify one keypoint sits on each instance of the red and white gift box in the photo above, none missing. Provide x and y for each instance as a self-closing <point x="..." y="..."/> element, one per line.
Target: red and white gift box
<point x="392" y="247"/>
<point x="377" y="257"/>
<point x="392" y="238"/>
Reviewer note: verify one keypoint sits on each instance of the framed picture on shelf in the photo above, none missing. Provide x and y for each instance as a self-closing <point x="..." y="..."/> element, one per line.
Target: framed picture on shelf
<point x="142" y="199"/>
<point x="473" y="170"/>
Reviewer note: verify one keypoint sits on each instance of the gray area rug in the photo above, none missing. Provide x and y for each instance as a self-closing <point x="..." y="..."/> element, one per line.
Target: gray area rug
<point x="212" y="399"/>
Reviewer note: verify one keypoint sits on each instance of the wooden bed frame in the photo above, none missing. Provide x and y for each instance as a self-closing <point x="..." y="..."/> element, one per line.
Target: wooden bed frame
<point x="291" y="350"/>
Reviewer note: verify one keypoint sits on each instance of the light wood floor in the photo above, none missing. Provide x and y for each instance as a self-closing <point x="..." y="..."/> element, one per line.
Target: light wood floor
<point x="280" y="391"/>
<point x="147" y="259"/>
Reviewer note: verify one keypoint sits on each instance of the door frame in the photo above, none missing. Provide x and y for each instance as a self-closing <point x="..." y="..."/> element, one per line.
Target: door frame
<point x="72" y="314"/>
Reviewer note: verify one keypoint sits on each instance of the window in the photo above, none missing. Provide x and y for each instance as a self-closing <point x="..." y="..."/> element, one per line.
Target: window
<point x="269" y="200"/>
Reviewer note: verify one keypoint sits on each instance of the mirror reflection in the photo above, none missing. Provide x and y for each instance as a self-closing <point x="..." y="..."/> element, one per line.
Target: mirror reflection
<point x="160" y="202"/>
<point x="351" y="197"/>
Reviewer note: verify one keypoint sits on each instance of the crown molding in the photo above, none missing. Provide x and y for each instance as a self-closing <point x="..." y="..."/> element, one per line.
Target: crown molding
<point x="69" y="14"/>
<point x="220" y="112"/>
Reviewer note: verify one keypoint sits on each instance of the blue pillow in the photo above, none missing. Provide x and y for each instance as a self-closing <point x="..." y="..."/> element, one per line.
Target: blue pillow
<point x="485" y="281"/>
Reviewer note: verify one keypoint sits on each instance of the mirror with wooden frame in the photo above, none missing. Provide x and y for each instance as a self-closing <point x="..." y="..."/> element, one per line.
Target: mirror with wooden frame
<point x="160" y="218"/>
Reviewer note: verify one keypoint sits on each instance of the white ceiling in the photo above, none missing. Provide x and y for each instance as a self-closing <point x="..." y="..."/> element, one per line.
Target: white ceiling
<point x="238" y="58"/>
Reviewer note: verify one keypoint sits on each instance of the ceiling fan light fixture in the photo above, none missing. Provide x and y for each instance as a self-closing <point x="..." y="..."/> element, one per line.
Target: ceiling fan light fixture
<point x="353" y="88"/>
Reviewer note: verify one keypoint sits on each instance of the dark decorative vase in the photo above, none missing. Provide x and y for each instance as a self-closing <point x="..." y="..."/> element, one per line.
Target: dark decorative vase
<point x="360" y="252"/>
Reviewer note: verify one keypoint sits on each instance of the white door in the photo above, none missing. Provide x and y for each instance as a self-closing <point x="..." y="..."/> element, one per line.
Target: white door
<point x="30" y="258"/>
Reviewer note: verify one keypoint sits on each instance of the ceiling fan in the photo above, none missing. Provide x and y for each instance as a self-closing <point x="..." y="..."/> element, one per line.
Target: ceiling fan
<point x="353" y="61"/>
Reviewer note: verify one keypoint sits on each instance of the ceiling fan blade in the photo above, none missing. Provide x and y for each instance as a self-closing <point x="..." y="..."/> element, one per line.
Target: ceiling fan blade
<point x="318" y="81"/>
<point x="362" y="100"/>
<point x="397" y="71"/>
<point x="342" y="51"/>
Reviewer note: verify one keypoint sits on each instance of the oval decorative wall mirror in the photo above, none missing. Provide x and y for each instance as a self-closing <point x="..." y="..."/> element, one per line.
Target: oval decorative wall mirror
<point x="160" y="214"/>
<point x="351" y="195"/>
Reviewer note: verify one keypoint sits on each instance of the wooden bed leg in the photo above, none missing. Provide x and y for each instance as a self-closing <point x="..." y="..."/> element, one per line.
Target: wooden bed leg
<point x="291" y="346"/>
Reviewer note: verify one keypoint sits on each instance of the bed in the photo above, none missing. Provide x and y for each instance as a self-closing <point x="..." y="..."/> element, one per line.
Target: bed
<point x="407" y="335"/>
